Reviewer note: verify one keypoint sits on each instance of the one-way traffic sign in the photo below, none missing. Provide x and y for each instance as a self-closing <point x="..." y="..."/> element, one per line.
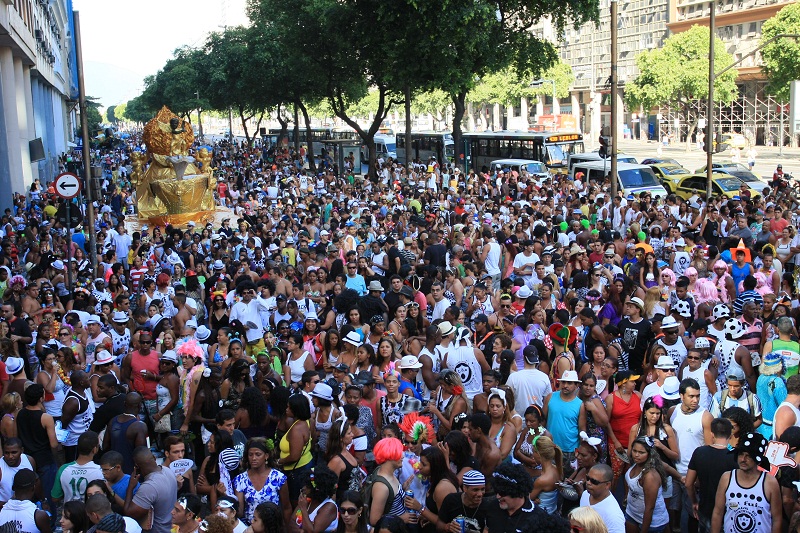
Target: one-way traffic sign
<point x="67" y="185"/>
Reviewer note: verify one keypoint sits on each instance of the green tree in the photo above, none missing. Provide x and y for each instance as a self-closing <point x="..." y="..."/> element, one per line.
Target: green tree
<point x="238" y="63"/>
<point x="138" y="110"/>
<point x="781" y="58"/>
<point x="119" y="111"/>
<point x="93" y="117"/>
<point x="676" y="75"/>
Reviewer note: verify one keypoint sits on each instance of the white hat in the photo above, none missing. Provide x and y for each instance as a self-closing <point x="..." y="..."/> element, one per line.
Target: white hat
<point x="14" y="365"/>
<point x="218" y="265"/>
<point x="446" y="328"/>
<point x="570" y="375"/>
<point x="323" y="391"/>
<point x="668" y="323"/>
<point x="701" y="342"/>
<point x="120" y="317"/>
<point x="94" y="319"/>
<point x="720" y="311"/>
<point x="289" y="240"/>
<point x="375" y="286"/>
<point x="202" y="333"/>
<point x="312" y="315"/>
<point x="665" y="362"/>
<point x="103" y="358"/>
<point x="169" y="355"/>
<point x="524" y="292"/>
<point x="409" y="361"/>
<point x="174" y="258"/>
<point x="637" y="302"/>
<point x="191" y="323"/>
<point x="353" y="338"/>
<point x="670" y="390"/>
<point x="191" y="224"/>
<point x="58" y="264"/>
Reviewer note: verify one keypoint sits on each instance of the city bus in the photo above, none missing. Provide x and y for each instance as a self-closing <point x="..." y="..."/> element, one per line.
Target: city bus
<point x="551" y="148"/>
<point x="318" y="136"/>
<point x="425" y="144"/>
<point x="346" y="134"/>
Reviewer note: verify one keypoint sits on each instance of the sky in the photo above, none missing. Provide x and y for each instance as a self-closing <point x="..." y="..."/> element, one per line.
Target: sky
<point x="122" y="46"/>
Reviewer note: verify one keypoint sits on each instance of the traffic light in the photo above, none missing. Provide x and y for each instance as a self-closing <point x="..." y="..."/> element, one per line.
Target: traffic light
<point x="707" y="145"/>
<point x="718" y="147"/>
<point x="605" y="147"/>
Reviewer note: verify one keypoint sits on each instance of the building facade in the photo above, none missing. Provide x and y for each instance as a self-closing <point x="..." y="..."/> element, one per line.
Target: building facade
<point x="38" y="91"/>
<point x="757" y="115"/>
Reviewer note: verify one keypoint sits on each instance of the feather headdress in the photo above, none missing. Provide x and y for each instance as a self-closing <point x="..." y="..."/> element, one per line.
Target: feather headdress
<point x="417" y="428"/>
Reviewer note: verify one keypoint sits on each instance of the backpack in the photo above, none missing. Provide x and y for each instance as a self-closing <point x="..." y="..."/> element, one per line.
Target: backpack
<point x="366" y="491"/>
<point x="750" y="402"/>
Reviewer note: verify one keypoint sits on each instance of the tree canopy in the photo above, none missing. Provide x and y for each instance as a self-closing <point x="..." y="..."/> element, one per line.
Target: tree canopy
<point x="676" y="75"/>
<point x="781" y="58"/>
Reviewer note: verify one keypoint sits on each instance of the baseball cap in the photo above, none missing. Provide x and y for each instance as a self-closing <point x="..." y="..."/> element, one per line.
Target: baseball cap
<point x="531" y="355"/>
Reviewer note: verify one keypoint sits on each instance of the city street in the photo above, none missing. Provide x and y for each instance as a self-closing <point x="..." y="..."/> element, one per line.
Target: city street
<point x="766" y="161"/>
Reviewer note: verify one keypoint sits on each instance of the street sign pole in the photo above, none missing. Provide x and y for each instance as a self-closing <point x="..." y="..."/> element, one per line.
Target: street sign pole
<point x="69" y="249"/>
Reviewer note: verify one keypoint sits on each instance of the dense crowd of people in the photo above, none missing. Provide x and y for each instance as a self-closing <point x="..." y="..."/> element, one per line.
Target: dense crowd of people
<point x="422" y="350"/>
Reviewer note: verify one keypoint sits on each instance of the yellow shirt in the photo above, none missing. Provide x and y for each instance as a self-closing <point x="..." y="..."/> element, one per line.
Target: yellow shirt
<point x="305" y="458"/>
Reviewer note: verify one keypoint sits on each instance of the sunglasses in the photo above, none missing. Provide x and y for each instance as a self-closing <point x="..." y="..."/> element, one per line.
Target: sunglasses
<point x="594" y="481"/>
<point x="506" y="306"/>
<point x="348" y="510"/>
<point x="692" y="358"/>
<point x="413" y="305"/>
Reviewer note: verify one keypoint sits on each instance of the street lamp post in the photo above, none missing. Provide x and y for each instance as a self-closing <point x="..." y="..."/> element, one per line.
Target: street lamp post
<point x="199" y="120"/>
<point x="537" y="83"/>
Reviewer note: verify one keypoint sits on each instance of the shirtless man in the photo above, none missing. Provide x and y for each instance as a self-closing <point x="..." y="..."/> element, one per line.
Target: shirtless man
<point x="486" y="451"/>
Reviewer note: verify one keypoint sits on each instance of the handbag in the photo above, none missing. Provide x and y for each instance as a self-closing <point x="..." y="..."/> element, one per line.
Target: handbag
<point x="164" y="424"/>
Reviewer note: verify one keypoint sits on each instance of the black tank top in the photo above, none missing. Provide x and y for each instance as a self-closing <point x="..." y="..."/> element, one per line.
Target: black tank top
<point x="34" y="436"/>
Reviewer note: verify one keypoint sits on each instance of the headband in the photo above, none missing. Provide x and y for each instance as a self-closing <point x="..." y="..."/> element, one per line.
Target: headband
<point x="500" y="393"/>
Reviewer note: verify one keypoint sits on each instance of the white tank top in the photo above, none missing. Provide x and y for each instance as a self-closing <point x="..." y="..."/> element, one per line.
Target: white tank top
<point x="8" y="472"/>
<point x="297" y="367"/>
<point x="699" y="376"/>
<point x="747" y="509"/>
<point x="333" y="525"/>
<point x="462" y="360"/>
<point x="690" y="431"/>
<point x="53" y="407"/>
<point x="636" y="506"/>
<point x="725" y="352"/>
<point x="22" y="514"/>
<point x="796" y="412"/>
<point x="677" y="351"/>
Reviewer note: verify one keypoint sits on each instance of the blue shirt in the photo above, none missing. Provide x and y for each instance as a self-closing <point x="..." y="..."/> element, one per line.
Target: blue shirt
<point x="357" y="283"/>
<point x="562" y="421"/>
<point x="122" y="485"/>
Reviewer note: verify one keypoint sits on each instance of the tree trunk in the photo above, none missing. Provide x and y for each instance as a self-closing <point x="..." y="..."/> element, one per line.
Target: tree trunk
<point x="296" y="131"/>
<point x="312" y="165"/>
<point x="459" y="106"/>
<point x="244" y="126"/>
<point x="255" y="131"/>
<point x="407" y="158"/>
<point x="339" y="108"/>
<point x="284" y="125"/>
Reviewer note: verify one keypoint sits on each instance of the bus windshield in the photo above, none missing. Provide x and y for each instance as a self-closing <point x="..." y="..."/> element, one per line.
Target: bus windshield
<point x="638" y="177"/>
<point x="559" y="153"/>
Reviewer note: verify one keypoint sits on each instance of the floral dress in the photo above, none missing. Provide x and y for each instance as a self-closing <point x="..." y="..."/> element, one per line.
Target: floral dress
<point x="271" y="492"/>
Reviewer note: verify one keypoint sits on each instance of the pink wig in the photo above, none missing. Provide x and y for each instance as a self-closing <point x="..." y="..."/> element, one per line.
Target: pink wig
<point x="761" y="287"/>
<point x="671" y="275"/>
<point x="705" y="291"/>
<point x="388" y="450"/>
<point x="721" y="264"/>
<point x="691" y="271"/>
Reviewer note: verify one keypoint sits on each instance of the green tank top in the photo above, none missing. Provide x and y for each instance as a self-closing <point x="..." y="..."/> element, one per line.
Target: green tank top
<point x="790" y="351"/>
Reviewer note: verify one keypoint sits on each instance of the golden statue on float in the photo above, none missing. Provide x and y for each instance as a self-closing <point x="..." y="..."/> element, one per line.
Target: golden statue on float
<point x="177" y="187"/>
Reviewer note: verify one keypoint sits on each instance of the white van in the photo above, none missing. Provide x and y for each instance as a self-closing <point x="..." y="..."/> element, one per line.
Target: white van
<point x="633" y="179"/>
<point x="385" y="146"/>
<point x="534" y="168"/>
<point x="589" y="157"/>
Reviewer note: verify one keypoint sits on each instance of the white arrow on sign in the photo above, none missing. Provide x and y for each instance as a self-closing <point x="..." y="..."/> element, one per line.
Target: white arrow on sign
<point x="67" y="185"/>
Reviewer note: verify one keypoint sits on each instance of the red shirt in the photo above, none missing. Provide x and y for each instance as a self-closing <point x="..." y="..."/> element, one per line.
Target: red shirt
<point x="147" y="362"/>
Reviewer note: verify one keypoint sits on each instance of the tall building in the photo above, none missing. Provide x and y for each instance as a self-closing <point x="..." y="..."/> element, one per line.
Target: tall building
<point x="754" y="113"/>
<point x="641" y="25"/>
<point x="38" y="88"/>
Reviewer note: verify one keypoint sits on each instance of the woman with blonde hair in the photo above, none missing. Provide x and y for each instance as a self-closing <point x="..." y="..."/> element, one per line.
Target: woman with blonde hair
<point x="545" y="488"/>
<point x="10" y="405"/>
<point x="586" y="520"/>
<point x="652" y="303"/>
